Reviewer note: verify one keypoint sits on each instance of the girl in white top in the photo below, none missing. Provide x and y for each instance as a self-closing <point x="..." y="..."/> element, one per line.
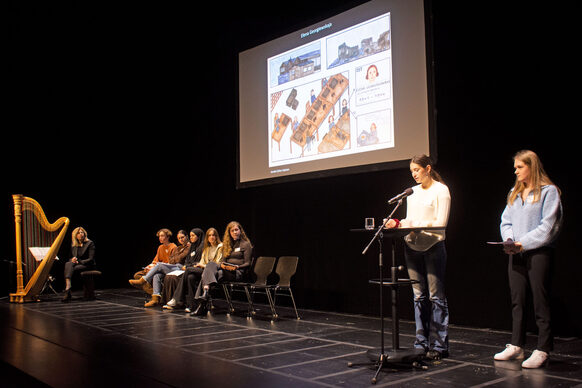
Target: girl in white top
<point x="426" y="256"/>
<point x="427" y="206"/>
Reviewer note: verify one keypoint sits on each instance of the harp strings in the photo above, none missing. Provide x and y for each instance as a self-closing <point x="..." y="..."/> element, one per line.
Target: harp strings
<point x="33" y="235"/>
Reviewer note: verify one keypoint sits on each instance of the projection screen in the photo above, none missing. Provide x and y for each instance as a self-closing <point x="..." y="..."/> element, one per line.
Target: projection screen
<point x="350" y="94"/>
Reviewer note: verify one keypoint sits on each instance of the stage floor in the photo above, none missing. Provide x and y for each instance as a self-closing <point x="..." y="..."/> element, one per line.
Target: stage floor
<point x="114" y="341"/>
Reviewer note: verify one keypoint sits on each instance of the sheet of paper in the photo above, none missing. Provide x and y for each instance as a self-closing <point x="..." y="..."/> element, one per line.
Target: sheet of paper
<point x="39" y="253"/>
<point x="501" y="242"/>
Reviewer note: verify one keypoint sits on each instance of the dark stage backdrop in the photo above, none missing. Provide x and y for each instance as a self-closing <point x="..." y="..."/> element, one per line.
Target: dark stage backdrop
<point x="124" y="119"/>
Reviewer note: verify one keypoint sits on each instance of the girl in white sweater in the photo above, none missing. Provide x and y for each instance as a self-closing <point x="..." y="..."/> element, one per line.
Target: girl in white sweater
<point x="426" y="256"/>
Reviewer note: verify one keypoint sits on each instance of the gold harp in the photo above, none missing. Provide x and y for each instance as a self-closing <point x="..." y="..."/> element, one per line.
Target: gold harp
<point x="37" y="245"/>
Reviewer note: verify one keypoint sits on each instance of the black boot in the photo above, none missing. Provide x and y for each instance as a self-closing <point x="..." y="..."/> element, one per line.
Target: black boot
<point x="66" y="295"/>
<point x="204" y="297"/>
<point x="200" y="310"/>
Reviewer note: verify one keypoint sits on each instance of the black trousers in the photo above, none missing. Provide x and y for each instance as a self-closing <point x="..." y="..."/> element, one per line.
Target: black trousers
<point x="531" y="268"/>
<point x="188" y="285"/>
<point x="72" y="268"/>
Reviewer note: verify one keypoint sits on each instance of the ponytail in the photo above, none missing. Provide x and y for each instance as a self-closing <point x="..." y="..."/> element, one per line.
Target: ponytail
<point x="424" y="161"/>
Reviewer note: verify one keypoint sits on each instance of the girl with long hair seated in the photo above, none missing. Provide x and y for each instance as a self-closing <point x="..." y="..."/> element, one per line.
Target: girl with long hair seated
<point x="211" y="252"/>
<point x="82" y="258"/>
<point x="236" y="260"/>
<point x="174" y="283"/>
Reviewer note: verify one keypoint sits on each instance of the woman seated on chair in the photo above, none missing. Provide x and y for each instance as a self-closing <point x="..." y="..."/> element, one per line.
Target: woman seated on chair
<point x="172" y="282"/>
<point x="82" y="258"/>
<point x="236" y="260"/>
<point x="163" y="253"/>
<point x="156" y="275"/>
<point x="175" y="286"/>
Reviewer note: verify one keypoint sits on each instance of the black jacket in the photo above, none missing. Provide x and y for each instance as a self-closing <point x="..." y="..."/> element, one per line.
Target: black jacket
<point x="85" y="254"/>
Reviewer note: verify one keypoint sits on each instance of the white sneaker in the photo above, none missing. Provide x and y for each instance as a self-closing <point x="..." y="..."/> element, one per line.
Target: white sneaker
<point x="172" y="302"/>
<point x="511" y="352"/>
<point x="167" y="307"/>
<point x="537" y="359"/>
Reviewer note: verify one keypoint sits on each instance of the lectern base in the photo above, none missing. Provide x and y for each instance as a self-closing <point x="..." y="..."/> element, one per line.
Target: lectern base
<point x="399" y="358"/>
<point x="404" y="356"/>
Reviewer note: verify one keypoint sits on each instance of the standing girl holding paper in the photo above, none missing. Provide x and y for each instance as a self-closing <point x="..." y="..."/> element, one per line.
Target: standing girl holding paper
<point x="530" y="224"/>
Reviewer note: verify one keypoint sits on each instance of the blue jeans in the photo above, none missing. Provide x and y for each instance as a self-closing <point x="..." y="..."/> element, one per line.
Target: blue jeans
<point x="431" y="311"/>
<point x="156" y="275"/>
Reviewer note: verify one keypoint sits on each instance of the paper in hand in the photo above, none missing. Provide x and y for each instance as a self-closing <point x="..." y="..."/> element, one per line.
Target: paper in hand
<point x="507" y="243"/>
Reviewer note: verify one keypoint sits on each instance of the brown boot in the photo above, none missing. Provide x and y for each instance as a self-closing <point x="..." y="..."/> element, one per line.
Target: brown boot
<point x="138" y="283"/>
<point x="154" y="302"/>
<point x="148" y="288"/>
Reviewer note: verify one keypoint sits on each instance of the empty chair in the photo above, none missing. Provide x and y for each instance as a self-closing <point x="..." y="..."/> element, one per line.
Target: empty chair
<point x="285" y="269"/>
<point x="262" y="268"/>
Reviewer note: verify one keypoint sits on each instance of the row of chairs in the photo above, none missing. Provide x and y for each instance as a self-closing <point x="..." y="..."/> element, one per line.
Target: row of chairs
<point x="262" y="269"/>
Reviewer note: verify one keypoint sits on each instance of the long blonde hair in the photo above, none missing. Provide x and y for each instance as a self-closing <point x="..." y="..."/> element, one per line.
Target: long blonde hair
<point x="228" y="242"/>
<point x="74" y="241"/>
<point x="538" y="176"/>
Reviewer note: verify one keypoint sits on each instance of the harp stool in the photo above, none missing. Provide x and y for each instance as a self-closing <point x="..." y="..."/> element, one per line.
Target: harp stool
<point x="89" y="283"/>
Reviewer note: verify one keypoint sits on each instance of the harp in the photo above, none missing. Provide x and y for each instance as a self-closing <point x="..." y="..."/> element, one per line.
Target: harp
<point x="37" y="245"/>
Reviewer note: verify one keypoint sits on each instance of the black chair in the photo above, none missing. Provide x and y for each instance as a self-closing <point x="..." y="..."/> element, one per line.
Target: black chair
<point x="89" y="283"/>
<point x="262" y="268"/>
<point x="261" y="272"/>
<point x="286" y="268"/>
<point x="228" y="287"/>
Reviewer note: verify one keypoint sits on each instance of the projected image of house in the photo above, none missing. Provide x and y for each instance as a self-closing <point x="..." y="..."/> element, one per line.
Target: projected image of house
<point x="299" y="67"/>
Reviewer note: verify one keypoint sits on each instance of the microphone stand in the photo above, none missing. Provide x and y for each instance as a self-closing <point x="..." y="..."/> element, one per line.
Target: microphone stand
<point x="396" y="356"/>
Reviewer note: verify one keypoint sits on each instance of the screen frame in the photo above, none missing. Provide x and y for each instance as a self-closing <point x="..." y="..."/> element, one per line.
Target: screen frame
<point x="365" y="168"/>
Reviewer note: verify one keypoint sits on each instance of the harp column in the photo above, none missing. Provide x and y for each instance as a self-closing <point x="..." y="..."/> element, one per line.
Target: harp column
<point x="18" y="227"/>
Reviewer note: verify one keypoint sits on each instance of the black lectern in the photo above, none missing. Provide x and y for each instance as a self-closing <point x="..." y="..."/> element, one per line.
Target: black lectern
<point x="396" y="356"/>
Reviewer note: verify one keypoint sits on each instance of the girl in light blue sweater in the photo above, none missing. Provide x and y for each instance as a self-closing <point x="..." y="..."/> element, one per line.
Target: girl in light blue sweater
<point x="529" y="226"/>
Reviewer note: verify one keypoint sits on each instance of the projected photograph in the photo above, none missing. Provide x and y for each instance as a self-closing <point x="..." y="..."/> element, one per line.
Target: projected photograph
<point x="358" y="42"/>
<point x="295" y="64"/>
<point x="315" y="112"/>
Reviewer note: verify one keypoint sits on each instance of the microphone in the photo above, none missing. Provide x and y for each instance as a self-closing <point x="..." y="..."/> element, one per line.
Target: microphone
<point x="400" y="196"/>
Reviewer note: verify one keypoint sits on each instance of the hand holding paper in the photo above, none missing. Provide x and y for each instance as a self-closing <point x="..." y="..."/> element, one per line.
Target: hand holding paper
<point x="510" y="247"/>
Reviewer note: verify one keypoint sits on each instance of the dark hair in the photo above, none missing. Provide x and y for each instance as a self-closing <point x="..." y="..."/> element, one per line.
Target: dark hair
<point x="424" y="161"/>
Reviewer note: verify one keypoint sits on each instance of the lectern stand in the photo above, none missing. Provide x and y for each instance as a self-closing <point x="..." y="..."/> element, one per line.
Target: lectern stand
<point x="396" y="356"/>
